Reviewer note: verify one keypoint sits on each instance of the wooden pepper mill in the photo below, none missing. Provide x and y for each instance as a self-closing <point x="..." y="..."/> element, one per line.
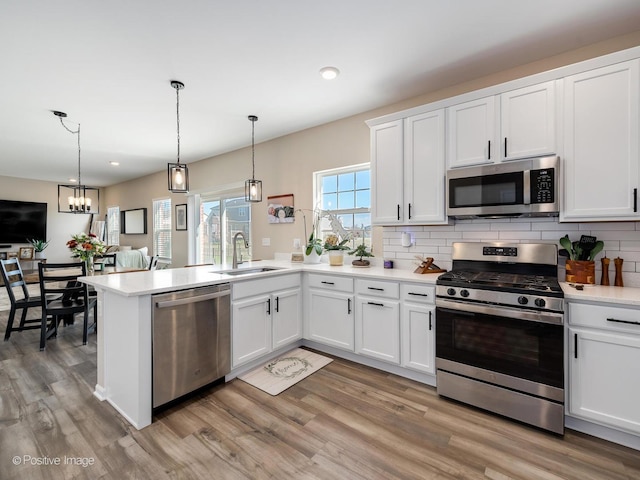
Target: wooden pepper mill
<point x="605" y="271"/>
<point x="618" y="264"/>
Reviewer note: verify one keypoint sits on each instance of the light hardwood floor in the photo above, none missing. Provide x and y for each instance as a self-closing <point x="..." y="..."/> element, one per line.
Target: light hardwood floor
<point x="344" y="422"/>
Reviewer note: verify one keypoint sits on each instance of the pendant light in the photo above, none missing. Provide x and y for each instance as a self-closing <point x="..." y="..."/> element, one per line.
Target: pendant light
<point x="253" y="187"/>
<point x="178" y="174"/>
<point x="77" y="198"/>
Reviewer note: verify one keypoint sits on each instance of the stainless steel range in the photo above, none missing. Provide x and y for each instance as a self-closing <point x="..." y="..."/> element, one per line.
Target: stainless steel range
<point x="499" y="331"/>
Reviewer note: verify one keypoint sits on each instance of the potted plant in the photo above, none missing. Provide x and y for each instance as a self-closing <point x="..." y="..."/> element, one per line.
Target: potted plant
<point x="38" y="247"/>
<point x="580" y="266"/>
<point x="335" y="248"/>
<point x="361" y="251"/>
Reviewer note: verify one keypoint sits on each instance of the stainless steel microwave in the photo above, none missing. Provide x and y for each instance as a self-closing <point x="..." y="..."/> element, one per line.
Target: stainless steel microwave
<point x="524" y="188"/>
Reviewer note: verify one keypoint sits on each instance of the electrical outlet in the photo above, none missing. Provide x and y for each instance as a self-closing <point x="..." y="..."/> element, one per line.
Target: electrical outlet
<point x="266" y="242"/>
<point x="297" y="243"/>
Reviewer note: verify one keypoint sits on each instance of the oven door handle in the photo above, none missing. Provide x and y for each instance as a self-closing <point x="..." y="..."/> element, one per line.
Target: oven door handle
<point x="501" y="311"/>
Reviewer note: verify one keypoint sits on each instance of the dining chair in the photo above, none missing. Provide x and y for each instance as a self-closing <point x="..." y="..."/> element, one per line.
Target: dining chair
<point x="19" y="297"/>
<point x="62" y="279"/>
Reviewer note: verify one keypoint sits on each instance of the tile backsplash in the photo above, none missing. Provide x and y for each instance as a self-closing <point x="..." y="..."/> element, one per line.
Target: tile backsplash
<point x="621" y="239"/>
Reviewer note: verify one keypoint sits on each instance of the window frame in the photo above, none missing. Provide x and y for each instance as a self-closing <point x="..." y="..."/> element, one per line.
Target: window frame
<point x="156" y="231"/>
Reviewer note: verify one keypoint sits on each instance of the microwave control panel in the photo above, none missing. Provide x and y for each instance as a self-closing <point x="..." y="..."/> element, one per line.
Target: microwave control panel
<point x="543" y="185"/>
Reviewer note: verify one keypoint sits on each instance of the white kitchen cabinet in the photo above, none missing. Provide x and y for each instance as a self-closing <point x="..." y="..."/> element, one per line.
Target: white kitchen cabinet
<point x="471" y="133"/>
<point x="266" y="316"/>
<point x="604" y="365"/>
<point x="387" y="153"/>
<point x="286" y="314"/>
<point x="331" y="311"/>
<point x="418" y="322"/>
<point x="251" y="334"/>
<point x="407" y="170"/>
<point x="377" y="323"/>
<point x="516" y="124"/>
<point x="601" y="140"/>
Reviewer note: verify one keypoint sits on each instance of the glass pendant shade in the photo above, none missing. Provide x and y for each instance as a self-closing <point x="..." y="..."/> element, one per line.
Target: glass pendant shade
<point x="253" y="187"/>
<point x="178" y="175"/>
<point x="78" y="199"/>
<point x="253" y="190"/>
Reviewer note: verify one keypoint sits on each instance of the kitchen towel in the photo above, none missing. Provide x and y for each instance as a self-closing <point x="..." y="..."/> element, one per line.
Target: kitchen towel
<point x="287" y="370"/>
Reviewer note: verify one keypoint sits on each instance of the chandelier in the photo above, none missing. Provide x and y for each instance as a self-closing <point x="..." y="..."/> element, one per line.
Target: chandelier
<point x="178" y="174"/>
<point x="76" y="198"/>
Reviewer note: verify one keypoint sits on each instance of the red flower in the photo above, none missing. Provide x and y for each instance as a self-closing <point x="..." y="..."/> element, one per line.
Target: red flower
<point x="72" y="243"/>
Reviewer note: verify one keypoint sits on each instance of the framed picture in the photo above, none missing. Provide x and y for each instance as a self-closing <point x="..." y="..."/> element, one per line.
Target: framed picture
<point x="26" y="253"/>
<point x="181" y="216"/>
<point x="12" y="254"/>
<point x="133" y="222"/>
<point x="280" y="209"/>
<point x="3" y="255"/>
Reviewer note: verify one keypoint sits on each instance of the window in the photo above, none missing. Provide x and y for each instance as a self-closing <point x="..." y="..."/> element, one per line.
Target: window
<point x="346" y="193"/>
<point x="221" y="217"/>
<point x="162" y="228"/>
<point x="113" y="226"/>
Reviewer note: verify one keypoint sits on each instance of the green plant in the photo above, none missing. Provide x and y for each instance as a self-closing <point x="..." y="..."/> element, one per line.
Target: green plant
<point x="575" y="251"/>
<point x="361" y="251"/>
<point x="313" y="243"/>
<point x="38" y="245"/>
<point x="333" y="242"/>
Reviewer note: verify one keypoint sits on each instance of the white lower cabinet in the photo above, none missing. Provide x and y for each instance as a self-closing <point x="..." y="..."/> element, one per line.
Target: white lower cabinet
<point x="267" y="314"/>
<point x="604" y="365"/>
<point x="330" y="311"/>
<point x="418" y="323"/>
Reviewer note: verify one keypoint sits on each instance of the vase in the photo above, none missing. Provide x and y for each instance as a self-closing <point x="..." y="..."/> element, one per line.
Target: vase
<point x="40" y="255"/>
<point x="581" y="271"/>
<point x="89" y="265"/>
<point x="336" y="258"/>
<point x="313" y="257"/>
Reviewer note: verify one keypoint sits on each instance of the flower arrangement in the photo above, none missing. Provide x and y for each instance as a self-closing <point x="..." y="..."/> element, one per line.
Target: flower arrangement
<point x="85" y="246"/>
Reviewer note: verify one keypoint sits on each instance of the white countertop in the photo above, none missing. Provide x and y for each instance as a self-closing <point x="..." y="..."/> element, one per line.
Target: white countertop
<point x="629" y="296"/>
<point x="131" y="284"/>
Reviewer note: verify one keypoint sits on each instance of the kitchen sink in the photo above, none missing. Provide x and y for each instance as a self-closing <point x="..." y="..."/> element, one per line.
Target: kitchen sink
<point x="247" y="271"/>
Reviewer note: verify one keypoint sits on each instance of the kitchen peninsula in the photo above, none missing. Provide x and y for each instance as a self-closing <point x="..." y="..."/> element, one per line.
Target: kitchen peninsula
<point x="125" y="305"/>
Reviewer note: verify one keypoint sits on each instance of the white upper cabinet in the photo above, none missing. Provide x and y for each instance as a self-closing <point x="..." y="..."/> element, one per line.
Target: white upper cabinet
<point x="516" y="124"/>
<point x="424" y="168"/>
<point x="407" y="169"/>
<point x="472" y="133"/>
<point x="387" y="145"/>
<point x="600" y="120"/>
<point x="528" y="122"/>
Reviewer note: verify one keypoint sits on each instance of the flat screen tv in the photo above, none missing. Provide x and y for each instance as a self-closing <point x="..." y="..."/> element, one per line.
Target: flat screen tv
<point x="20" y="221"/>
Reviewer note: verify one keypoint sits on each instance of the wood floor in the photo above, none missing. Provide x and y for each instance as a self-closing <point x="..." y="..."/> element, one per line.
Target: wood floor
<point x="343" y="422"/>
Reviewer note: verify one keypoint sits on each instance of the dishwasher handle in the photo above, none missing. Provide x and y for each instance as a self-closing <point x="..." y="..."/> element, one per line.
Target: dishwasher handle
<point x="198" y="298"/>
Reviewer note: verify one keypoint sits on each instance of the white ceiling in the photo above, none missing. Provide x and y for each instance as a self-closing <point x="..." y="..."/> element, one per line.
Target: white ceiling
<point x="108" y="65"/>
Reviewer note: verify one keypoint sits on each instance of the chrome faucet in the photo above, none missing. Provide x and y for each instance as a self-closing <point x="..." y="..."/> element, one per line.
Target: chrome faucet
<point x="235" y="254"/>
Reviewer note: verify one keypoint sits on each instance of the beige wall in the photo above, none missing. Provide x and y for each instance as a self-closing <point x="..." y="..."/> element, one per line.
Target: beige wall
<point x="60" y="226"/>
<point x="285" y="165"/>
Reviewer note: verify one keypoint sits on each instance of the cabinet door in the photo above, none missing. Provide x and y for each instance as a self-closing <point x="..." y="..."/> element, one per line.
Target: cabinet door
<point x="424" y="169"/>
<point x="472" y="133"/>
<point x="418" y="337"/>
<point x="604" y="369"/>
<point x="251" y="329"/>
<point x="527" y="121"/>
<point x="386" y="173"/>
<point x="331" y="318"/>
<point x="286" y="317"/>
<point x="378" y="329"/>
<point x="601" y="174"/>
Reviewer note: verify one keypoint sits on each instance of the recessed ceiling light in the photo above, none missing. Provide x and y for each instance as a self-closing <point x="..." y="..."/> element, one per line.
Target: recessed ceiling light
<point x="115" y="164"/>
<point x="73" y="180"/>
<point x="329" y="73"/>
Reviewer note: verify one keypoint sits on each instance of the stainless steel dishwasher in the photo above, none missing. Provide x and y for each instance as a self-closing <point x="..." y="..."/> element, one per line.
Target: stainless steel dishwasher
<point x="191" y="340"/>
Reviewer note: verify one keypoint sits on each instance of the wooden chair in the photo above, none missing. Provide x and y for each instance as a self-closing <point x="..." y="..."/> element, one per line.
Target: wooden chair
<point x="14" y="282"/>
<point x="62" y="279"/>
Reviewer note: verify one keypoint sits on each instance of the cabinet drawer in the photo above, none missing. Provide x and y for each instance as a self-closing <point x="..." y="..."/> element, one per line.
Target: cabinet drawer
<point x="412" y="292"/>
<point x="331" y="282"/>
<point x="378" y="288"/>
<point x="619" y="319"/>
<point x="251" y="288"/>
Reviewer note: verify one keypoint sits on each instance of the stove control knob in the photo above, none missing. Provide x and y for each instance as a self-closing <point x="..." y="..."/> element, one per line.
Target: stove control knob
<point x="451" y="291"/>
<point x="464" y="293"/>
<point x="540" y="302"/>
<point x="523" y="300"/>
